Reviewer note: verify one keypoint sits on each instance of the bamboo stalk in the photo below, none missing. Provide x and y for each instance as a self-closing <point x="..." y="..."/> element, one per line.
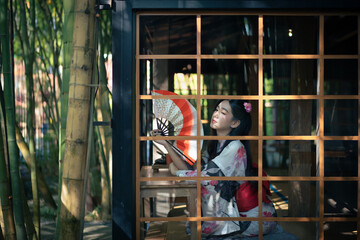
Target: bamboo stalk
<point x="43" y="187"/>
<point x="46" y="11"/>
<point x="105" y="132"/>
<point x="29" y="48"/>
<point x="100" y="138"/>
<point x="77" y="120"/>
<point x="90" y="142"/>
<point x="105" y="179"/>
<point x="1" y="234"/>
<point x="67" y="51"/>
<point x="5" y="191"/>
<point x="10" y="123"/>
<point x="29" y="225"/>
<point x="49" y="110"/>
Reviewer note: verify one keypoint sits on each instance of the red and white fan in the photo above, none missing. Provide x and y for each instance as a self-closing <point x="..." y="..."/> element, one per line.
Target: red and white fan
<point x="177" y="117"/>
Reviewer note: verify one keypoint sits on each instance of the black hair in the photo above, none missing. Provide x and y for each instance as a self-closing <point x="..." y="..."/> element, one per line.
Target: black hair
<point x="239" y="112"/>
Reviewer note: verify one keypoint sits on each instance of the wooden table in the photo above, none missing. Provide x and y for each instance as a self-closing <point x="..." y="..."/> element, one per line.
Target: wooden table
<point x="185" y="188"/>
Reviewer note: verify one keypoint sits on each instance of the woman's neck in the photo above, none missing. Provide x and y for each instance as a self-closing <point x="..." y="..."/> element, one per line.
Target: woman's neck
<point x="222" y="133"/>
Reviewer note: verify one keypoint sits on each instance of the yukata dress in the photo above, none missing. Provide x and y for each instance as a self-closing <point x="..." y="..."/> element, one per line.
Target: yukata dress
<point x="217" y="197"/>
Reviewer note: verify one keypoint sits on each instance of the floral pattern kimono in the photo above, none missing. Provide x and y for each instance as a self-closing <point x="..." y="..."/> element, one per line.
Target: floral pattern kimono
<point x="218" y="199"/>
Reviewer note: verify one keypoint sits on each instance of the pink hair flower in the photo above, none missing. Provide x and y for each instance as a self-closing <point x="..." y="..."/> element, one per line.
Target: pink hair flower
<point x="247" y="106"/>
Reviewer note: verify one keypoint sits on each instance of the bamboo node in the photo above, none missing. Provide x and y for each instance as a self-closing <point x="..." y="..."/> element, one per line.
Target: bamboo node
<point x="84" y="67"/>
<point x="84" y="84"/>
<point x="79" y="141"/>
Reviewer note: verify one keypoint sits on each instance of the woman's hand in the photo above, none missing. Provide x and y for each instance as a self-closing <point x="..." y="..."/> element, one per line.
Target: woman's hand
<point x="179" y="163"/>
<point x="158" y="132"/>
<point x="173" y="169"/>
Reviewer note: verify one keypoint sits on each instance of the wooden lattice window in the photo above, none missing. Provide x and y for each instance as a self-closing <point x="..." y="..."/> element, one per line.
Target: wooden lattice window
<point x="299" y="71"/>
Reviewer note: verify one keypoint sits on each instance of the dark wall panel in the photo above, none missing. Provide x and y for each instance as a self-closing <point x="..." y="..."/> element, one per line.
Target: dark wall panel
<point x="123" y="124"/>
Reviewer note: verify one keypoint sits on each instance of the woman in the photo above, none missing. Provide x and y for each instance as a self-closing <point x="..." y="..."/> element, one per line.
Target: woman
<point x="227" y="158"/>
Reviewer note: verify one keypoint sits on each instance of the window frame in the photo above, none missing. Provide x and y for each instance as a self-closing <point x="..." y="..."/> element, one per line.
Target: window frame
<point x="260" y="97"/>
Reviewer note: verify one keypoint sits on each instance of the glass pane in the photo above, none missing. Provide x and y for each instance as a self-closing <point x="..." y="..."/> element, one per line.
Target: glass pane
<point x="340" y="199"/>
<point x="341" y="76"/>
<point x="170" y="117"/>
<point x="289" y="158"/>
<point x="229" y="77"/>
<point x="341" y="34"/>
<point x="291" y="35"/>
<point x="167" y="230"/>
<point x="253" y="152"/>
<point x="290" y="117"/>
<point x="208" y="107"/>
<point x="167" y="198"/>
<point x="167" y="34"/>
<point x="295" y="198"/>
<point x="242" y="229"/>
<point x="176" y="75"/>
<point x="340" y="230"/>
<point x="229" y="34"/>
<point x="341" y="117"/>
<point x="290" y="77"/>
<point x="302" y="230"/>
<point x="156" y="162"/>
<point x="175" y="117"/>
<point x="341" y="158"/>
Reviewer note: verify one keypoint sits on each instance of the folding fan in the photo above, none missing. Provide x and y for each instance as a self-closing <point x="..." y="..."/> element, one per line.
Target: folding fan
<point x="177" y="117"/>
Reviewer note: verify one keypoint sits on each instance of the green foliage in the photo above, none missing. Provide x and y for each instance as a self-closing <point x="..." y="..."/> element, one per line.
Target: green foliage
<point x="47" y="156"/>
<point x="45" y="39"/>
<point x="106" y="29"/>
<point x="94" y="215"/>
<point x="51" y="46"/>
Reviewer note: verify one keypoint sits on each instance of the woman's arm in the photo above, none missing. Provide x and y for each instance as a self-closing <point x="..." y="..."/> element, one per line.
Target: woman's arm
<point x="177" y="160"/>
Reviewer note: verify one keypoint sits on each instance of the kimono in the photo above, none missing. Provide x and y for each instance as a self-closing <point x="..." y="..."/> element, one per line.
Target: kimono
<point x="218" y="200"/>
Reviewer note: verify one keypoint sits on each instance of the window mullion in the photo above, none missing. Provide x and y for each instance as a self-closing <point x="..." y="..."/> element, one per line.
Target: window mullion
<point x="261" y="112"/>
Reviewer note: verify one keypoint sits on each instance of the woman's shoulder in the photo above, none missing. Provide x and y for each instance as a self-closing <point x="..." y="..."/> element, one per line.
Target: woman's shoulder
<point x="232" y="148"/>
<point x="228" y="157"/>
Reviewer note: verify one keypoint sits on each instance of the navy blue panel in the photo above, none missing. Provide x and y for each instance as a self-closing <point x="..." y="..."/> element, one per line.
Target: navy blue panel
<point x="123" y="140"/>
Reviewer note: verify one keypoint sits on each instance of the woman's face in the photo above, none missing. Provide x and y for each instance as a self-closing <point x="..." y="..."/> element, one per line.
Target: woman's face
<point x="222" y="119"/>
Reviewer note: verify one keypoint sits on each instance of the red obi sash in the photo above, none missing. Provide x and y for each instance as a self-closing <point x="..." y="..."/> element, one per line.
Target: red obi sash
<point x="246" y="195"/>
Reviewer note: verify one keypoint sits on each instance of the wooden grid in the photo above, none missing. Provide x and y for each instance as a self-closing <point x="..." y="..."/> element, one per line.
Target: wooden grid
<point x="320" y="138"/>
